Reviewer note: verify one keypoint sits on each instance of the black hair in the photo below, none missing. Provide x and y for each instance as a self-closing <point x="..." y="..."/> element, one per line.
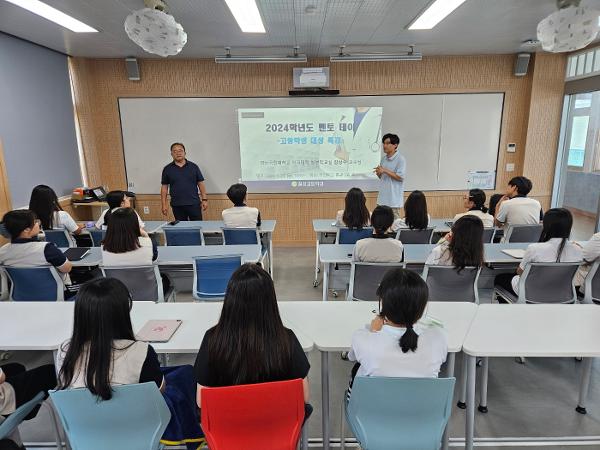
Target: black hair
<point x="477" y="196"/>
<point x="114" y="200"/>
<point x="466" y="246"/>
<point x="403" y="295"/>
<point x="557" y="224"/>
<point x="44" y="203"/>
<point x="237" y="193"/>
<point x="122" y="232"/>
<point x="382" y="219"/>
<point x="18" y="220"/>
<point x="394" y="139"/>
<point x="415" y="211"/>
<point x="356" y="214"/>
<point x="494" y="199"/>
<point x="177" y="143"/>
<point x="101" y="317"/>
<point x="523" y="185"/>
<point x="249" y="344"/>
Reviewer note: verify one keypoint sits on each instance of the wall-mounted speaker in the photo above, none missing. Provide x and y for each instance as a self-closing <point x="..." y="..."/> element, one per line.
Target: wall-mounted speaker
<point x="133" y="70"/>
<point x="521" y="64"/>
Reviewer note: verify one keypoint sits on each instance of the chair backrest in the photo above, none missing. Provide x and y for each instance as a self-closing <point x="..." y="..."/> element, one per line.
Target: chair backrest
<point x="592" y="284"/>
<point x="212" y="274"/>
<point x="134" y="418"/>
<point x="387" y="413"/>
<point x="266" y="416"/>
<point x="240" y="236"/>
<point x="14" y="419"/>
<point x="178" y="236"/>
<point x="523" y="233"/>
<point x="34" y="284"/>
<point x="351" y="235"/>
<point x="60" y="238"/>
<point x="446" y="284"/>
<point x="365" y="279"/>
<point x="143" y="282"/>
<point x="548" y="283"/>
<point x="488" y="235"/>
<point x="96" y="235"/>
<point x="408" y="236"/>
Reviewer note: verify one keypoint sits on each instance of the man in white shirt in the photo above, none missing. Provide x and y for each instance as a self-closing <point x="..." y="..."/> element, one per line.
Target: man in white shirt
<point x="240" y="215"/>
<point x="391" y="175"/>
<point x="515" y="208"/>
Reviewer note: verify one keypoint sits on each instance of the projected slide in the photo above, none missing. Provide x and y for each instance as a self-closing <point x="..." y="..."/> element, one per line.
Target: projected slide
<point x="309" y="147"/>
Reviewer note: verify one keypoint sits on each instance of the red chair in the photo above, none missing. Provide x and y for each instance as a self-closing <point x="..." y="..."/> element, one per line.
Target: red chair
<point x="265" y="416"/>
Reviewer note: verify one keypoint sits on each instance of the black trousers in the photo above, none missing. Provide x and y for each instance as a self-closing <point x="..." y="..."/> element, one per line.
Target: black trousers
<point x="28" y="383"/>
<point x="187" y="212"/>
<point x="504" y="280"/>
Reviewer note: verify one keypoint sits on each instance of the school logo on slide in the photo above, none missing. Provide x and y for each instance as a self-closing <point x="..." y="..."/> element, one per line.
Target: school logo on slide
<point x="294" y="183"/>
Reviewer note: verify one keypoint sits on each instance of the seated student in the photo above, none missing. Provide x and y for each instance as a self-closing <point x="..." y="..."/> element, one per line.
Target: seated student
<point x="44" y="203"/>
<point x="125" y="243"/>
<point x="494" y="199"/>
<point x="462" y="247"/>
<point x="381" y="247"/>
<point x="415" y="213"/>
<point x="554" y="246"/>
<point x="475" y="205"/>
<point x="249" y="344"/>
<point x="240" y="215"/>
<point x="355" y="214"/>
<point x="116" y="199"/>
<point x="515" y="208"/>
<point x="396" y="345"/>
<point x="591" y="253"/>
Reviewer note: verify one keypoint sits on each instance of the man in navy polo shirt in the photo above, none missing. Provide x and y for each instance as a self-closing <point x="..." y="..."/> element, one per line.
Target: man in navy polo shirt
<point x="183" y="179"/>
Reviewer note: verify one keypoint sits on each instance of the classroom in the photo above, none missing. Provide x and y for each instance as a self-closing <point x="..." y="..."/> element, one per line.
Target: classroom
<point x="294" y="224"/>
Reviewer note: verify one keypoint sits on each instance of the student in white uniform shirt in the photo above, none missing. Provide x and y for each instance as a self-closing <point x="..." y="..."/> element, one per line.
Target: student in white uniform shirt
<point x="355" y="214"/>
<point x="515" y="208"/>
<point x="462" y="247"/>
<point x="554" y="246"/>
<point x="44" y="203"/>
<point x="116" y="199"/>
<point x="381" y="247"/>
<point x="591" y="253"/>
<point x="395" y="345"/>
<point x="415" y="213"/>
<point x="240" y="215"/>
<point x="125" y="243"/>
<point x="475" y="206"/>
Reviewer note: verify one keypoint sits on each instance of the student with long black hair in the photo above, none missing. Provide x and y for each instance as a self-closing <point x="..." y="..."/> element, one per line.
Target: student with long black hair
<point x="249" y="344"/>
<point x="474" y="203"/>
<point x="116" y="199"/>
<point x="554" y="246"/>
<point x="355" y="214"/>
<point x="396" y="345"/>
<point x="381" y="247"/>
<point x="44" y="203"/>
<point x="462" y="247"/>
<point x="125" y="243"/>
<point x="415" y="213"/>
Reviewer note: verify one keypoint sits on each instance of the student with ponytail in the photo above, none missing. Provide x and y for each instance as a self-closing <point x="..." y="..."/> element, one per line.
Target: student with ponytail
<point x="116" y="199"/>
<point x="475" y="206"/>
<point x="381" y="247"/>
<point x="396" y="345"/>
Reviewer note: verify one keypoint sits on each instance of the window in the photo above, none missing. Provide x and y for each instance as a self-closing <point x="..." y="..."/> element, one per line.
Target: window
<point x="583" y="64"/>
<point x="577" y="144"/>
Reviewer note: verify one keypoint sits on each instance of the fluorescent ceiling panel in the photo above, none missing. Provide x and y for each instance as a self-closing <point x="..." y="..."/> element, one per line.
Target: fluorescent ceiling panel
<point x="54" y="15"/>
<point x="247" y="15"/>
<point x="434" y="14"/>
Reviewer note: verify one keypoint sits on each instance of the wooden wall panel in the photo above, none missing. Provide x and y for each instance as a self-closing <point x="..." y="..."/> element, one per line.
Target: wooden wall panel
<point x="98" y="83"/>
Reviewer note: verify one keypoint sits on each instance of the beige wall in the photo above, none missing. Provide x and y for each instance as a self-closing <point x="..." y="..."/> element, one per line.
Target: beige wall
<point x="531" y="117"/>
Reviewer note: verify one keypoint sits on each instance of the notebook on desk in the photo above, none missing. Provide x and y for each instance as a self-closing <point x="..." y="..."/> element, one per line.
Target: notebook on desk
<point x="158" y="330"/>
<point x="517" y="253"/>
<point x="76" y="253"/>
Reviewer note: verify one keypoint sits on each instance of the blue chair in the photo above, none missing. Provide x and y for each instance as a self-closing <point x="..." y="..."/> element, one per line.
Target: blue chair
<point x="350" y="236"/>
<point x="211" y="275"/>
<point x="60" y="238"/>
<point x="178" y="236"/>
<point x="134" y="418"/>
<point x="97" y="236"/>
<point x="34" y="284"/>
<point x="387" y="413"/>
<point x="244" y="236"/>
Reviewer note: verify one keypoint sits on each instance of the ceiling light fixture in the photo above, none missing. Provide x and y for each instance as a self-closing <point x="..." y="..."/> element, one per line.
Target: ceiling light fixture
<point x="434" y="14"/>
<point x="54" y="15"/>
<point x="411" y="55"/>
<point x="247" y="15"/>
<point x="229" y="58"/>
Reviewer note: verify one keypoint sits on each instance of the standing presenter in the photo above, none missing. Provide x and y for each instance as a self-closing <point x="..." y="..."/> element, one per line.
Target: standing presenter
<point x="391" y="175"/>
<point x="184" y="181"/>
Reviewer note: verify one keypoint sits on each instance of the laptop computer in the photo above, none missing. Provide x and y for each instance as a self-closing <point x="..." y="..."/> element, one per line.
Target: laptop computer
<point x="158" y="330"/>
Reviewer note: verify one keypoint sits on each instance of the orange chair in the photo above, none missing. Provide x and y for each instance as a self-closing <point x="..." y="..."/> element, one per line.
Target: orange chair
<point x="265" y="416"/>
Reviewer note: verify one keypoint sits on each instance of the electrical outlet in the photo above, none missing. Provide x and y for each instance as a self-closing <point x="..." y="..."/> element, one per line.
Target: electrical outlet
<point x="146" y="210"/>
<point x="511" y="148"/>
<point x="510" y="167"/>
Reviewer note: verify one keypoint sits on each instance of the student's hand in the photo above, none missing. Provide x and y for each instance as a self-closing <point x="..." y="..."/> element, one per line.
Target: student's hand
<point x="143" y="232"/>
<point x="448" y="237"/>
<point x="377" y="323"/>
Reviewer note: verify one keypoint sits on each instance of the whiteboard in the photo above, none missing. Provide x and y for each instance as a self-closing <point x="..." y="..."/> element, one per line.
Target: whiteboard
<point x="442" y="136"/>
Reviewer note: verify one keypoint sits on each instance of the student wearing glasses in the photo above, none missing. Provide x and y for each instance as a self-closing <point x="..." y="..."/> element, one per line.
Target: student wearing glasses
<point x="474" y="202"/>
